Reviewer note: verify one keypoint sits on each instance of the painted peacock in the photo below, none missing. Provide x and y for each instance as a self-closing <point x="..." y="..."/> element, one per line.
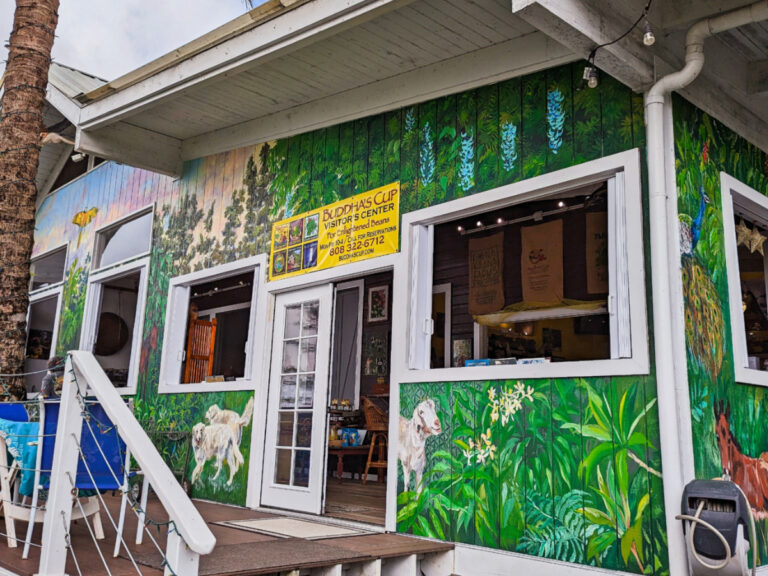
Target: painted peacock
<point x="703" y="310"/>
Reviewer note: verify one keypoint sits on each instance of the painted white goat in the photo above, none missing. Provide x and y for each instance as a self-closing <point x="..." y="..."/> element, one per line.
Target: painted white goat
<point x="413" y="439"/>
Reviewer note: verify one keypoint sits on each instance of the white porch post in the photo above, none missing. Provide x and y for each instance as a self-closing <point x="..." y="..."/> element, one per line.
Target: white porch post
<point x="180" y="558"/>
<point x="53" y="556"/>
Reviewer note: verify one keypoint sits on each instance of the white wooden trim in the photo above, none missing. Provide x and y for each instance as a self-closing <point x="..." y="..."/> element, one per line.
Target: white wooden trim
<point x="148" y="209"/>
<point x="45" y="294"/>
<point x="190" y="524"/>
<point x="732" y="192"/>
<point x="479" y="561"/>
<point x="305" y="498"/>
<point x="510" y="59"/>
<point x="289" y="31"/>
<point x="358" y="285"/>
<point x="93" y="298"/>
<point x="96" y="251"/>
<point x="446" y="290"/>
<point x="46" y="186"/>
<point x="526" y="191"/>
<point x="174" y="339"/>
<point x="65" y="247"/>
<point x="337" y="274"/>
<point x="223" y="309"/>
<point x="342" y="273"/>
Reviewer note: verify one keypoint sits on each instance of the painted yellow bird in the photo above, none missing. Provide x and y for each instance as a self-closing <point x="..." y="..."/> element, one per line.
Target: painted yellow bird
<point x="82" y="219"/>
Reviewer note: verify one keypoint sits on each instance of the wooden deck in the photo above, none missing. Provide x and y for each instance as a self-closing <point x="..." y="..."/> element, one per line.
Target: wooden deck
<point x="238" y="552"/>
<point x="353" y="500"/>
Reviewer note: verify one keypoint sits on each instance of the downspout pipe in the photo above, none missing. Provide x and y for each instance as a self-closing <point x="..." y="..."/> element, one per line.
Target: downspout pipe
<point x="673" y="396"/>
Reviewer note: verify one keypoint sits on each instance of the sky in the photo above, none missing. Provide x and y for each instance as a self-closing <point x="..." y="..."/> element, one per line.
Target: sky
<point x="108" y="38"/>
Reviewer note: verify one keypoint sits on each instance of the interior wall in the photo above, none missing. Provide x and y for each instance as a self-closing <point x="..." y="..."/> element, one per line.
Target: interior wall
<point x="123" y="304"/>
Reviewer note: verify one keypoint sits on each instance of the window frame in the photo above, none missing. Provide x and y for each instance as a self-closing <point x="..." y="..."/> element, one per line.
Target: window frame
<point x="174" y="338"/>
<point x="445" y="289"/>
<point x="65" y="248"/>
<point x="755" y="203"/>
<point x="631" y="328"/>
<point x="136" y="214"/>
<point x="93" y="299"/>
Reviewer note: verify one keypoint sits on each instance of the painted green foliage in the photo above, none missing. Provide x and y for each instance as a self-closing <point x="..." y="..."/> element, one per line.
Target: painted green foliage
<point x="704" y="149"/>
<point x="562" y="469"/>
<point x="505" y="478"/>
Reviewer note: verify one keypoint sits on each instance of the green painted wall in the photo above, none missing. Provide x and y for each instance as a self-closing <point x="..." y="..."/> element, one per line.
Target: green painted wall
<point x="574" y="473"/>
<point x="705" y="147"/>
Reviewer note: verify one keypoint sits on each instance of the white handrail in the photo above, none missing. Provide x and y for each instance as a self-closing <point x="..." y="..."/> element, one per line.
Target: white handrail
<point x="187" y="520"/>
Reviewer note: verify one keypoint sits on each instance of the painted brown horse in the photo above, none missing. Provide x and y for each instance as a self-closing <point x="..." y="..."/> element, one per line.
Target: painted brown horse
<point x="751" y="474"/>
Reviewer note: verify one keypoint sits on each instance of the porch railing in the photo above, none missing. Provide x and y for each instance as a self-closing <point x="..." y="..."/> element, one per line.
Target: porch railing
<point x="188" y="534"/>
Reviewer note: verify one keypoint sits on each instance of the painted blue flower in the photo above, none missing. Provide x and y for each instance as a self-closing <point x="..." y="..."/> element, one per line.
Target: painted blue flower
<point x="467" y="161"/>
<point x="289" y="204"/>
<point x="410" y="120"/>
<point x="555" y="119"/>
<point x="427" y="156"/>
<point x="508" y="145"/>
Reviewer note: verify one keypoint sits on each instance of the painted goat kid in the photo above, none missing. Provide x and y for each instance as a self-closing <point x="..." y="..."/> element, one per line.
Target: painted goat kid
<point x="751" y="474"/>
<point x="413" y="439"/>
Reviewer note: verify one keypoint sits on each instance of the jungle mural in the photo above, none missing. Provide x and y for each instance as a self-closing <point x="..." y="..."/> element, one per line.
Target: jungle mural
<point x="498" y="467"/>
<point x="723" y="411"/>
<point x="564" y="469"/>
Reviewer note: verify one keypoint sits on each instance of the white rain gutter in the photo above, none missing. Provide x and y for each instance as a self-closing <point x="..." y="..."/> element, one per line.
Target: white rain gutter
<point x="673" y="399"/>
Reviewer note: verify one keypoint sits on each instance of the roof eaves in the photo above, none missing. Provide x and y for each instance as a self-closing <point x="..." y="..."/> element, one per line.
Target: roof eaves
<point x="252" y="19"/>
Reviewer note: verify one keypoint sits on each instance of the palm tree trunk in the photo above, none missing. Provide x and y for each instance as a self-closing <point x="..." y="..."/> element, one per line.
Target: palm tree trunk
<point x="21" y="121"/>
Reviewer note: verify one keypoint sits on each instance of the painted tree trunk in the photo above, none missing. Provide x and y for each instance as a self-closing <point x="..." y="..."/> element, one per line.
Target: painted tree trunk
<point x="26" y="78"/>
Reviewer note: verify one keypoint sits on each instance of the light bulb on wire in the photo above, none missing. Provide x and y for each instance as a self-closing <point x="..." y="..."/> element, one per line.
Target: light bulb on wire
<point x="590" y="75"/>
<point x="648" y="37"/>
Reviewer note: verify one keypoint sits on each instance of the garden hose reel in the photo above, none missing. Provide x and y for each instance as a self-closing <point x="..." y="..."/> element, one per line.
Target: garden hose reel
<point x="717" y="523"/>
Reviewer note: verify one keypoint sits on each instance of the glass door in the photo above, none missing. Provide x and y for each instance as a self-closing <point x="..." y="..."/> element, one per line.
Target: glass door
<point x="298" y="389"/>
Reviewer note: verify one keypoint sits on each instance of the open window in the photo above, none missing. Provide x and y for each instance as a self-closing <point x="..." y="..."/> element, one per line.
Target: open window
<point x="210" y="327"/>
<point x="42" y="330"/>
<point x="114" y="319"/>
<point x="745" y="219"/>
<point x="48" y="269"/>
<point x="129" y="238"/>
<point x="533" y="278"/>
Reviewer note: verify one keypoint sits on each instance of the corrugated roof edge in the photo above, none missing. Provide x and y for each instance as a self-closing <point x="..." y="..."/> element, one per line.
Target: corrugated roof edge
<point x="251" y="19"/>
<point x="71" y="81"/>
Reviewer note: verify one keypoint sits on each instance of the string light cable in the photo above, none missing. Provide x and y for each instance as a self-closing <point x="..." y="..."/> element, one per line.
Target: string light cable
<point x="590" y="71"/>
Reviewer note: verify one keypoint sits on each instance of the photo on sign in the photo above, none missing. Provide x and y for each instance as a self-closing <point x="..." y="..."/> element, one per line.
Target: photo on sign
<point x="278" y="263"/>
<point x="297" y="231"/>
<point x="294" y="259"/>
<point x="310" y="255"/>
<point x="378" y="303"/>
<point x="311" y="226"/>
<point x="281" y="235"/>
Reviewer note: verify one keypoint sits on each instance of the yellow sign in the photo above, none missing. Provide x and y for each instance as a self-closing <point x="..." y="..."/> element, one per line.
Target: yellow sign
<point x="350" y="230"/>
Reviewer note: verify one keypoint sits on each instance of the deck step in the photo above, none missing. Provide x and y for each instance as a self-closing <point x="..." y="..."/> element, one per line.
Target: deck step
<point x="438" y="563"/>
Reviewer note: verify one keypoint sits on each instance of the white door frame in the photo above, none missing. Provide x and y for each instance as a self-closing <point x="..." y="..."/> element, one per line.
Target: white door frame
<point x="261" y="377"/>
<point x="310" y="498"/>
<point x="342" y="286"/>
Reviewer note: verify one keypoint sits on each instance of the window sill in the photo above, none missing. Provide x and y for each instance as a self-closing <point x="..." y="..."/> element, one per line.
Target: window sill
<point x="751" y="376"/>
<point x="585" y="369"/>
<point x="236" y="386"/>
